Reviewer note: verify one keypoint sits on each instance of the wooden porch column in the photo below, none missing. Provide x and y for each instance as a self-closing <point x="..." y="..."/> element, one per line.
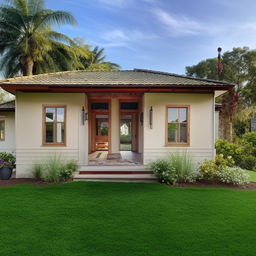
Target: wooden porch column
<point x="115" y="134"/>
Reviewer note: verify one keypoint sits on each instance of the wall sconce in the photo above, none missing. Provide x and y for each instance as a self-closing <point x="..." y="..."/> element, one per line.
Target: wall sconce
<point x="151" y="117"/>
<point x="84" y="116"/>
<point x="141" y="118"/>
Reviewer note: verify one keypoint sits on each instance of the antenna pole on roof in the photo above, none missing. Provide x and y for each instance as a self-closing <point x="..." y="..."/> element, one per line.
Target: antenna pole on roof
<point x="219" y="66"/>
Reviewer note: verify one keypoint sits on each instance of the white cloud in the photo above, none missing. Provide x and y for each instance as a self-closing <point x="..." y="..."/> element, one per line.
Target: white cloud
<point x="178" y="24"/>
<point x="122" y="37"/>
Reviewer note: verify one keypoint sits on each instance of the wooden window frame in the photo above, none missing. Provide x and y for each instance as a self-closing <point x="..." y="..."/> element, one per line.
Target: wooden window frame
<point x="167" y="143"/>
<point x="54" y="144"/>
<point x="3" y="121"/>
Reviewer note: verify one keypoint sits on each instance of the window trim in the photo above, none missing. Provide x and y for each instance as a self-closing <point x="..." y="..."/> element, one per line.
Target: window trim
<point x="167" y="143"/>
<point x="54" y="144"/>
<point x="3" y="121"/>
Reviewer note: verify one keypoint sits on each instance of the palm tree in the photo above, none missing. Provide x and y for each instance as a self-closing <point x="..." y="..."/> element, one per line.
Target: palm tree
<point x="28" y="45"/>
<point x="96" y="61"/>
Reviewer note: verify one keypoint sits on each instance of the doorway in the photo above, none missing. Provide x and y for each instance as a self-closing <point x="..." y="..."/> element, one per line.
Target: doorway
<point x="128" y="132"/>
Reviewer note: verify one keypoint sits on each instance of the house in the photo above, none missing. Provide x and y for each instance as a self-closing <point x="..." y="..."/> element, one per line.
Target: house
<point x="112" y="122"/>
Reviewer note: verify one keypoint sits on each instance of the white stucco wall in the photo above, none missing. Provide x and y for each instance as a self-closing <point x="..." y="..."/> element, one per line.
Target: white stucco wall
<point x="8" y="145"/>
<point x="29" y="148"/>
<point x="201" y="125"/>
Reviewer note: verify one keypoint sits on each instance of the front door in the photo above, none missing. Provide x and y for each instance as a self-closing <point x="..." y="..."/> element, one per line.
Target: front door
<point x="128" y="132"/>
<point x="99" y="128"/>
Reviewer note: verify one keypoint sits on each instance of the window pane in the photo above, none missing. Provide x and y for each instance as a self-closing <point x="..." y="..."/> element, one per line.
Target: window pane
<point x="183" y="133"/>
<point x="60" y="132"/>
<point x="50" y="114"/>
<point x="172" y="132"/>
<point x="49" y="138"/>
<point x="129" y="105"/>
<point x="172" y="115"/>
<point x="60" y="114"/>
<point x="183" y="115"/>
<point x="2" y="125"/>
<point x="99" y="105"/>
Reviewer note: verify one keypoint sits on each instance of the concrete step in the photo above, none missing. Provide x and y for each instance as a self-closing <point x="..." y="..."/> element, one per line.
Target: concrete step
<point x="115" y="173"/>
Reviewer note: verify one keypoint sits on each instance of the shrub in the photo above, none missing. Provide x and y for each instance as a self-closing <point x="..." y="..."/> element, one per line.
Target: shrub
<point x="208" y="170"/>
<point x="7" y="160"/>
<point x="221" y="161"/>
<point x="55" y="170"/>
<point x="248" y="162"/>
<point x="164" y="171"/>
<point x="249" y="143"/>
<point x="233" y="175"/>
<point x="228" y="149"/>
<point x="174" y="168"/>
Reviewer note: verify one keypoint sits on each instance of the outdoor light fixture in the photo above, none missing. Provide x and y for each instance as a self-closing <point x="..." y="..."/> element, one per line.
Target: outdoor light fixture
<point x="84" y="116"/>
<point x="151" y="117"/>
<point x="141" y="118"/>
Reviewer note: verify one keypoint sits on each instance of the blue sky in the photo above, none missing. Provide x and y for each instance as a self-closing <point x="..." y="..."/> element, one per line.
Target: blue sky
<point x="164" y="35"/>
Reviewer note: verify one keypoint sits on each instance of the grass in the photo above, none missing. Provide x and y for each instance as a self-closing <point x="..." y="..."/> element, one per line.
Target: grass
<point x="115" y="219"/>
<point x="252" y="175"/>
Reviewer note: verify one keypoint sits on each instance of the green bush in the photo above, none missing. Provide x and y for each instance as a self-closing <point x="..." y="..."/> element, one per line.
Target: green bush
<point x="164" y="171"/>
<point x="221" y="161"/>
<point x="248" y="162"/>
<point x="7" y="160"/>
<point x="174" y="168"/>
<point x="208" y="170"/>
<point x="55" y="170"/>
<point x="233" y="175"/>
<point x="228" y="149"/>
<point x="249" y="143"/>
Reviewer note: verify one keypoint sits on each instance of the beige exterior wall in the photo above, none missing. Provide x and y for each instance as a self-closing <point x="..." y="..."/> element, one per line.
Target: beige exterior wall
<point x="8" y="145"/>
<point x="201" y="125"/>
<point x="29" y="148"/>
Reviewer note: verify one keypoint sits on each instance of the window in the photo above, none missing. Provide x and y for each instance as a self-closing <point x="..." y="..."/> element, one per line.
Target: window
<point x="54" y="131"/>
<point x="2" y="130"/>
<point x="177" y="125"/>
<point x="99" y="106"/>
<point x="129" y="105"/>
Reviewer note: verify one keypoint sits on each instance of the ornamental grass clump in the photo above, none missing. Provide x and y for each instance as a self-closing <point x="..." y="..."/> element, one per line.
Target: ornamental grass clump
<point x="175" y="168"/>
<point x="55" y="169"/>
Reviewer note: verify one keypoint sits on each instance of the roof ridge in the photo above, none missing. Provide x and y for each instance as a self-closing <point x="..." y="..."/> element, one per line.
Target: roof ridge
<point x="56" y="73"/>
<point x="182" y="76"/>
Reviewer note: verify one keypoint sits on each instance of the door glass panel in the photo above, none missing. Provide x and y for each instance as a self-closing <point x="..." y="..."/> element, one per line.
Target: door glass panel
<point x="129" y="105"/>
<point x="101" y="130"/>
<point x="126" y="133"/>
<point x="99" y="106"/>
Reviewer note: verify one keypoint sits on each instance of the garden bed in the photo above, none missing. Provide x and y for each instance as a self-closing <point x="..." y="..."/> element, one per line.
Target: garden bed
<point x="14" y="181"/>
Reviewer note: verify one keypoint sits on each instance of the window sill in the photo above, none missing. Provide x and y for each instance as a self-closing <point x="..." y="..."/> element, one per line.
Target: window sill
<point x="177" y="144"/>
<point x="54" y="145"/>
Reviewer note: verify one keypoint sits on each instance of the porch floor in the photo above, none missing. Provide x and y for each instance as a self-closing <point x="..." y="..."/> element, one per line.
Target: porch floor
<point x="127" y="158"/>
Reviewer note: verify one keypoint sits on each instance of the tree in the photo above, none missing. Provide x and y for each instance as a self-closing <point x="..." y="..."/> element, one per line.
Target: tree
<point x="240" y="69"/>
<point x="96" y="61"/>
<point x="28" y="45"/>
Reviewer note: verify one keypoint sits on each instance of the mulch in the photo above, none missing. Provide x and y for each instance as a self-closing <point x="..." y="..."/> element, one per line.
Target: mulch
<point x="250" y="186"/>
<point x="14" y="181"/>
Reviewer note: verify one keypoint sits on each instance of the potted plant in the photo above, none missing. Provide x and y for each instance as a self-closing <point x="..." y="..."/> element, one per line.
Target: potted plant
<point x="7" y="163"/>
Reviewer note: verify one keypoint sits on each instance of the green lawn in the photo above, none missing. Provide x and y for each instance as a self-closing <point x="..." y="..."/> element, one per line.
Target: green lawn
<point x="115" y="219"/>
<point x="252" y="175"/>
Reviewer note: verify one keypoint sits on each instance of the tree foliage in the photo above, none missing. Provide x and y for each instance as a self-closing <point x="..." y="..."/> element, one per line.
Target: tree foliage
<point x="29" y="45"/>
<point x="239" y="69"/>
